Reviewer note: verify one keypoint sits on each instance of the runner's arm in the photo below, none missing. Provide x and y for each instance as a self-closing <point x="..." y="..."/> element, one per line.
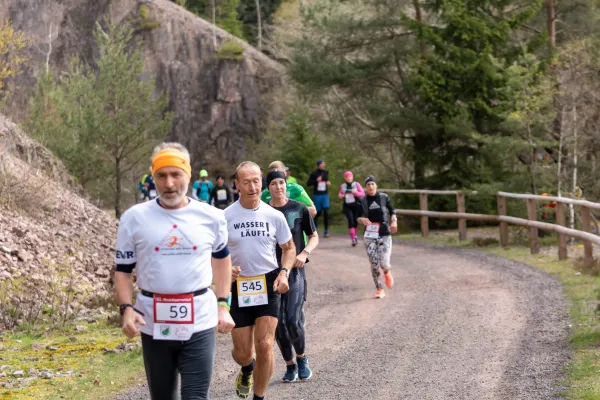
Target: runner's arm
<point x="229" y="194"/>
<point x="310" y="230"/>
<point x="359" y="192"/>
<point x="304" y="198"/>
<point x="222" y="275"/>
<point x="123" y="287"/>
<point x="312" y="180"/>
<point x="364" y="212"/>
<point x="341" y="194"/>
<point x="213" y="195"/>
<point x="288" y="254"/>
<point x="393" y="217"/>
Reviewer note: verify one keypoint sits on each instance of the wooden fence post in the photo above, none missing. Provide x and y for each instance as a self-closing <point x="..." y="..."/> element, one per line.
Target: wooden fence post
<point x="562" y="238"/>
<point x="533" y="232"/>
<point x="424" y="219"/>
<point x="588" y="256"/>
<point x="501" y="200"/>
<point x="462" y="223"/>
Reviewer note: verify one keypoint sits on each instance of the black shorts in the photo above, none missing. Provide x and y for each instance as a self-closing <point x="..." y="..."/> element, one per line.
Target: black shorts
<point x="246" y="316"/>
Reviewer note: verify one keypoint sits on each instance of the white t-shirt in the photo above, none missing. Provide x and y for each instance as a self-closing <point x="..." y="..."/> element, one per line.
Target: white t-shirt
<point x="253" y="235"/>
<point x="172" y="250"/>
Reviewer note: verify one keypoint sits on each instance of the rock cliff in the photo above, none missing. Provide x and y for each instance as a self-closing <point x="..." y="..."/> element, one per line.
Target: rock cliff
<point x="218" y="103"/>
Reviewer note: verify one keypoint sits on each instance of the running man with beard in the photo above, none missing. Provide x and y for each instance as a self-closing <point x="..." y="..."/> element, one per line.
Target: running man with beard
<point x="178" y="246"/>
<point x="290" y="334"/>
<point x="255" y="229"/>
<point x="377" y="213"/>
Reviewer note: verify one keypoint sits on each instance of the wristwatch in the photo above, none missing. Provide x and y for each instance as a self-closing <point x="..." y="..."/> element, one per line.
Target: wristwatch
<point x="287" y="271"/>
<point x="123" y="307"/>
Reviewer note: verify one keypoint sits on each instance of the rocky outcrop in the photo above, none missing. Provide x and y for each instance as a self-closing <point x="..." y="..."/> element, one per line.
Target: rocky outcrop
<point x="46" y="228"/>
<point x="219" y="104"/>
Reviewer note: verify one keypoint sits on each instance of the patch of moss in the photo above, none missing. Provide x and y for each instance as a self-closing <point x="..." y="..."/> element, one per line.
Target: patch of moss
<point x="230" y="50"/>
<point x="95" y="373"/>
<point x="144" y="22"/>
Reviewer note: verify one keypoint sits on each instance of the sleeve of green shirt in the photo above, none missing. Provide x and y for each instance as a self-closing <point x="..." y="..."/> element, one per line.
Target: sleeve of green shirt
<point x="302" y="196"/>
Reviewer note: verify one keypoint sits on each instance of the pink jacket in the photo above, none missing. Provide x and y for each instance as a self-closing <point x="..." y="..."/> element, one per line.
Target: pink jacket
<point x="359" y="192"/>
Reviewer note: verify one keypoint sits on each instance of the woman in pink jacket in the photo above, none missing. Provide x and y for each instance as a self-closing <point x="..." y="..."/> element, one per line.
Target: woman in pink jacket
<point x="351" y="192"/>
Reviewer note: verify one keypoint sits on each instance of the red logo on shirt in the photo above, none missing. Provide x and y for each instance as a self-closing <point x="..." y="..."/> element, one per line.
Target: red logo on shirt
<point x="175" y="243"/>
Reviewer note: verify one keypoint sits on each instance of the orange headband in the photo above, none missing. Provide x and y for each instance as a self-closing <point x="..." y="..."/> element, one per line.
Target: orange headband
<point x="171" y="158"/>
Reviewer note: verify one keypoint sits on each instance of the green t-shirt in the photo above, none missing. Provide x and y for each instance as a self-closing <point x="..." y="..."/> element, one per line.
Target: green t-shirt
<point x="293" y="191"/>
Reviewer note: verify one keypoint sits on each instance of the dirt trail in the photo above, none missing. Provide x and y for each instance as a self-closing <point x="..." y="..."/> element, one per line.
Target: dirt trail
<point x="459" y="324"/>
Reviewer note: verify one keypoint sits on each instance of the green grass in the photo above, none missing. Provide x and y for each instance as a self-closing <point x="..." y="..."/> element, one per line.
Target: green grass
<point x="96" y="375"/>
<point x="583" y="291"/>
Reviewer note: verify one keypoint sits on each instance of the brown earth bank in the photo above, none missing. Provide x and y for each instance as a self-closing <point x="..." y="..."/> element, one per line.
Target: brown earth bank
<point x="459" y="324"/>
<point x="47" y="230"/>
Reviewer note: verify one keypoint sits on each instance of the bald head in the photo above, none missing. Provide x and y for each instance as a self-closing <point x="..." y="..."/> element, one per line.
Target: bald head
<point x="246" y="166"/>
<point x="248" y="181"/>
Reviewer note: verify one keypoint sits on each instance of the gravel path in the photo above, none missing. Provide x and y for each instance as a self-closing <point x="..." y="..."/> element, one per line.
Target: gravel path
<point x="458" y="324"/>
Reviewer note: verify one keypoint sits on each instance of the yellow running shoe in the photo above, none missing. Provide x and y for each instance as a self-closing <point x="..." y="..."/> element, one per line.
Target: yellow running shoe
<point x="389" y="279"/>
<point x="380" y="294"/>
<point x="243" y="385"/>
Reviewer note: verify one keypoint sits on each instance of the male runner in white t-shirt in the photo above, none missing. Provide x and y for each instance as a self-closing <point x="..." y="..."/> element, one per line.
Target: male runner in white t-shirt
<point x="177" y="246"/>
<point x="254" y="229"/>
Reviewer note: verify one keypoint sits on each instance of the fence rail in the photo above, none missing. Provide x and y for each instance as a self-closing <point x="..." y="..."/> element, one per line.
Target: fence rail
<point x="531" y="222"/>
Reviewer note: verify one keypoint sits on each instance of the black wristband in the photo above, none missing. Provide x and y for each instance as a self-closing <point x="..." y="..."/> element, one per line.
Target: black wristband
<point x="224" y="299"/>
<point x="123" y="307"/>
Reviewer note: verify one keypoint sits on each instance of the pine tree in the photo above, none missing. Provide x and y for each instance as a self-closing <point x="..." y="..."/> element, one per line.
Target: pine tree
<point x="103" y="123"/>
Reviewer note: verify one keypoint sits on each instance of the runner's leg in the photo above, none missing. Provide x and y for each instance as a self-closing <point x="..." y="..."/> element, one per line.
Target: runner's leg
<point x="295" y="309"/>
<point x="195" y="363"/>
<point x="282" y="335"/>
<point x="349" y="213"/>
<point x="385" y="253"/>
<point x="161" y="370"/>
<point x="264" y="335"/>
<point x="243" y="343"/>
<point x="373" y="252"/>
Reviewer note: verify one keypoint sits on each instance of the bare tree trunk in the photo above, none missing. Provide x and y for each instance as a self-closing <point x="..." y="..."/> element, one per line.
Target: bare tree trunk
<point x="214" y="21"/>
<point x="118" y="189"/>
<point x="560" y="150"/>
<point x="571" y="209"/>
<point x="532" y="167"/>
<point x="551" y="25"/>
<point x="49" y="50"/>
<point x="418" y="13"/>
<point x="259" y="19"/>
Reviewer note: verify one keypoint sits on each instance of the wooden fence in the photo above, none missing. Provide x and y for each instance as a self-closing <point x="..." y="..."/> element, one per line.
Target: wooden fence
<point x="531" y="222"/>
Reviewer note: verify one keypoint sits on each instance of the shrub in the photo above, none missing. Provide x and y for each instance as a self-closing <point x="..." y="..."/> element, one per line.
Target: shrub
<point x="230" y="50"/>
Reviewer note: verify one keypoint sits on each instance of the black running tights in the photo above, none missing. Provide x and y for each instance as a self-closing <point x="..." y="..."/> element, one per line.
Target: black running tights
<point x="193" y="359"/>
<point x="290" y="333"/>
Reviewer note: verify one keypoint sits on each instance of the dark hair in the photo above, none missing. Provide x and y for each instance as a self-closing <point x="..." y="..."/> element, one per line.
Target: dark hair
<point x="220" y="177"/>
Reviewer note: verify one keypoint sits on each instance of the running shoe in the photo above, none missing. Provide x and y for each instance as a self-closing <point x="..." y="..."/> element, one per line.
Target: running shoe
<point x="291" y="375"/>
<point x="325" y="234"/>
<point x="354" y="242"/>
<point x="389" y="279"/>
<point x="243" y="385"/>
<point x="304" y="371"/>
<point x="380" y="294"/>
